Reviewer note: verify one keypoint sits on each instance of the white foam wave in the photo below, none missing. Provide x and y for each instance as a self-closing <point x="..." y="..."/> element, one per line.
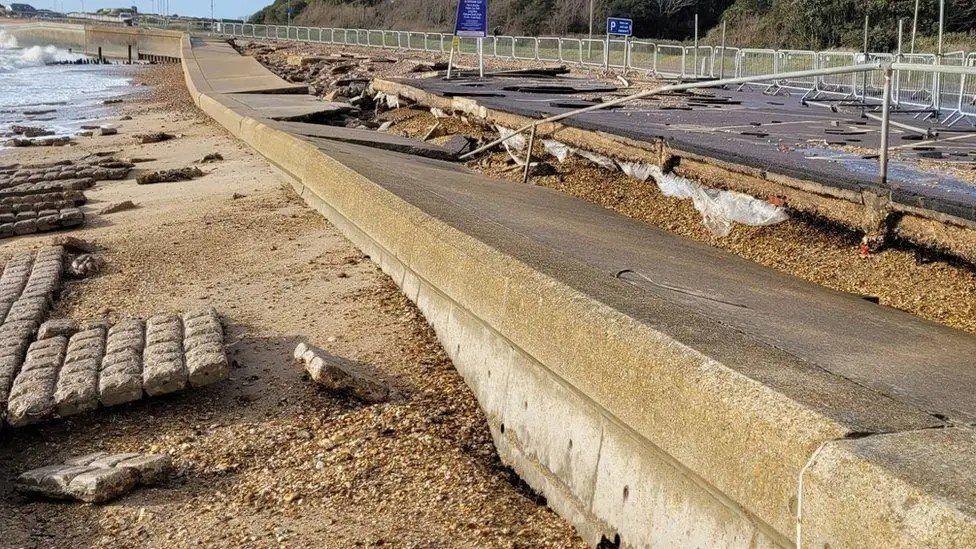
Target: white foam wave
<point x="34" y="56"/>
<point x="7" y="41"/>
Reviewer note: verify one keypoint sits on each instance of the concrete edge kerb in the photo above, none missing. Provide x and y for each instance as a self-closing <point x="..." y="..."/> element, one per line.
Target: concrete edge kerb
<point x="657" y="443"/>
<point x="424" y="291"/>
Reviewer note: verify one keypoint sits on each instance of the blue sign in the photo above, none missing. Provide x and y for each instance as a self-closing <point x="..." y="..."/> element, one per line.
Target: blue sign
<point x="620" y="26"/>
<point x="472" y="18"/>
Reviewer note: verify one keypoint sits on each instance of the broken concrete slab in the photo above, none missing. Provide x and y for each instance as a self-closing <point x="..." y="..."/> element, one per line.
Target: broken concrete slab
<point x="459" y="144"/>
<point x="116" y="207"/>
<point x="287" y="107"/>
<point x="170" y="176"/>
<point x="98" y="485"/>
<point x="95" y="478"/>
<point x="369" y="138"/>
<point x="163" y="367"/>
<point x="341" y="375"/>
<point x="203" y="343"/>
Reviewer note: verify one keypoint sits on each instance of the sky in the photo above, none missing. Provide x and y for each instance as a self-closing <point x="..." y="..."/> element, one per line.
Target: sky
<point x="199" y="8"/>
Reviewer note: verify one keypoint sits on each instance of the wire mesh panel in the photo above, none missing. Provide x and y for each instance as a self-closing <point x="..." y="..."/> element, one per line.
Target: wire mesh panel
<point x="432" y="41"/>
<point x="967" y="90"/>
<point x="391" y="39"/>
<point x="468" y="45"/>
<point x="723" y="61"/>
<point x="641" y="56"/>
<point x="794" y="61"/>
<point x="524" y="47"/>
<point x="755" y="62"/>
<point x="949" y="84"/>
<point x="375" y="38"/>
<point x="870" y="85"/>
<point x="838" y="83"/>
<point x="669" y="60"/>
<point x="697" y="61"/>
<point x="570" y="50"/>
<point x="592" y="51"/>
<point x="548" y="49"/>
<point x="504" y="47"/>
<point x="618" y="53"/>
<point x="915" y="87"/>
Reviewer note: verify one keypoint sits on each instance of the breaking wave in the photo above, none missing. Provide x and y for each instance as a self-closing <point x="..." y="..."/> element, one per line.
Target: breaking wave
<point x="13" y="58"/>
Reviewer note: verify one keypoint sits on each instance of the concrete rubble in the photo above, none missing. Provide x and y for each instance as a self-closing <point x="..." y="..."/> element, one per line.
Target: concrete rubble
<point x="341" y="375"/>
<point x="60" y="368"/>
<point x="95" y="478"/>
<point x="81" y="367"/>
<point x="170" y="176"/>
<point x="46" y="197"/>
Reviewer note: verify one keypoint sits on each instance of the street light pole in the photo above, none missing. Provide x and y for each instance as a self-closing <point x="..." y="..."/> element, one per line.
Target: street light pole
<point x="590" y="43"/>
<point x="914" y="25"/>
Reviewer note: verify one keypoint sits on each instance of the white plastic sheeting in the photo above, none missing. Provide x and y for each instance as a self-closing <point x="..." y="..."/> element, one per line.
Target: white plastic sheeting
<point x="513" y="146"/>
<point x="392" y="101"/>
<point x="719" y="209"/>
<point x="557" y="149"/>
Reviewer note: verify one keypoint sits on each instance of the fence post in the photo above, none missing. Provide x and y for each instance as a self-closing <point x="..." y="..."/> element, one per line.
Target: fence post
<point x="897" y="85"/>
<point x="528" y="155"/>
<point x="721" y="63"/>
<point x="885" y="119"/>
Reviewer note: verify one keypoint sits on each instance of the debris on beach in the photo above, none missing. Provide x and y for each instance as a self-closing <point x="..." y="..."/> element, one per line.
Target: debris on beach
<point x="101" y="364"/>
<point x="95" y="478"/>
<point x="31" y="131"/>
<point x="341" y="375"/>
<point x="155" y="137"/>
<point x="212" y="157"/>
<point x="85" y="265"/>
<point x="116" y="207"/>
<point x="170" y="176"/>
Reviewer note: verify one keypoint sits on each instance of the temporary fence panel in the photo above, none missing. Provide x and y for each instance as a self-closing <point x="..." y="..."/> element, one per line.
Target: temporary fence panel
<point x="641" y="55"/>
<point x="548" y="49"/>
<point x="571" y="50"/>
<point x="524" y="47"/>
<point x="838" y="83"/>
<point x="592" y="51"/>
<point x="794" y="61"/>
<point x="669" y="60"/>
<point x="467" y="45"/>
<point x="754" y="62"/>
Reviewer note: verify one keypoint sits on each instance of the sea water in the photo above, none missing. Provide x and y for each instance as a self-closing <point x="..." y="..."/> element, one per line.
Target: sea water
<point x="31" y="81"/>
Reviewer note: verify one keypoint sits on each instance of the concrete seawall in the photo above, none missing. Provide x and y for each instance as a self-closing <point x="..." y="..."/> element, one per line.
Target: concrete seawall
<point x="642" y="420"/>
<point x="114" y="42"/>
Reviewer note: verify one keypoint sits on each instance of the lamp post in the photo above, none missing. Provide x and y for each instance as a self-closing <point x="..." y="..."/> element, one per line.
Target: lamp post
<point x="590" y="43"/>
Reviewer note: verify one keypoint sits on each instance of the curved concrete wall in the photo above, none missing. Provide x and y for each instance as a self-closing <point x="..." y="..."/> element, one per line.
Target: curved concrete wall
<point x="115" y="42"/>
<point x="628" y="432"/>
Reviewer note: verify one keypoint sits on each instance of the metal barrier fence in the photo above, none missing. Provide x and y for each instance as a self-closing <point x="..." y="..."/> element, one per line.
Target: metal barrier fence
<point x="952" y="96"/>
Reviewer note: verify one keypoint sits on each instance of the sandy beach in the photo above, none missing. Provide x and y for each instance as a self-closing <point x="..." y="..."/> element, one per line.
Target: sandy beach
<point x="264" y="458"/>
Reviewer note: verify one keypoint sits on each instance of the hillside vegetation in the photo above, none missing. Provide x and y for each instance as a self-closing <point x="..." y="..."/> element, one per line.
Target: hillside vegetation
<point x="797" y="24"/>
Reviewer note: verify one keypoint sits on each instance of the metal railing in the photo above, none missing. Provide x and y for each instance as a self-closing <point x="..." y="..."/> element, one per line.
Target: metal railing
<point x="950" y="97"/>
